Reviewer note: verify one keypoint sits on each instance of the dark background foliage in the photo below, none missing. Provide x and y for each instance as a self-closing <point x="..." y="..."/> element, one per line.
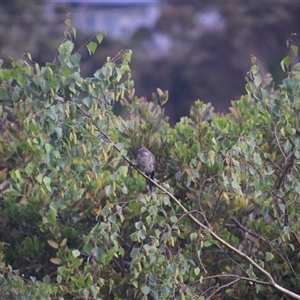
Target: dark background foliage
<point x="203" y="44"/>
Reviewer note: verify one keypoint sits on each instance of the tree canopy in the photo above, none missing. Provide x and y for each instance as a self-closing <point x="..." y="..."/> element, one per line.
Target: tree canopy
<point x="75" y="221"/>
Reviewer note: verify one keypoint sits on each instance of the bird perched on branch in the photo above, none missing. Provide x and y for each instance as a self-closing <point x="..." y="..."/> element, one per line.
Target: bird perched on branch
<point x="145" y="162"/>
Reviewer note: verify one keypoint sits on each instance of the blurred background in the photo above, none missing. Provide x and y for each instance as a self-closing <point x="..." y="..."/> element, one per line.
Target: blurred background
<point x="194" y="49"/>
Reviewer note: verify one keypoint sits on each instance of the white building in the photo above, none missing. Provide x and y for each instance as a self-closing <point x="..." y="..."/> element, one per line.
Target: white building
<point x="119" y="19"/>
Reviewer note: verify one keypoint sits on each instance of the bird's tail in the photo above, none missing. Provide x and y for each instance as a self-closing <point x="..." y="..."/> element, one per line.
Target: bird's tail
<point x="149" y="185"/>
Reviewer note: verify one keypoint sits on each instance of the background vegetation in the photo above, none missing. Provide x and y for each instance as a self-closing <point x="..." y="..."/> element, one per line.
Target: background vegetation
<point x="75" y="222"/>
<point x="199" y="57"/>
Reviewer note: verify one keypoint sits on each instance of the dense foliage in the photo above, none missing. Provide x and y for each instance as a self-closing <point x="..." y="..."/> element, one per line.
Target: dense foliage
<point x="75" y="222"/>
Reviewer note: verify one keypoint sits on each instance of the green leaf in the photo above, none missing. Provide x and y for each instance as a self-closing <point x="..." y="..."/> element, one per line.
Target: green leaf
<point x="123" y="170"/>
<point x="251" y="273"/>
<point x="112" y="219"/>
<point x="197" y="271"/>
<point x="36" y="80"/>
<point x="173" y="219"/>
<point x="145" y="289"/>
<point x="292" y="247"/>
<point x="1" y="76"/>
<point x="103" y="225"/>
<point x="138" y="225"/>
<point x="178" y="175"/>
<point x="108" y="190"/>
<point x="33" y="126"/>
<point x="58" y="131"/>
<point x="297" y="189"/>
<point x="16" y="175"/>
<point x="67" y="47"/>
<point x="127" y="55"/>
<point x="53" y="244"/>
<point x="99" y="37"/>
<point x="269" y="256"/>
<point x="124" y="189"/>
<point x="76" y="253"/>
<point x="68" y="22"/>
<point x="95" y="291"/>
<point x="39" y="179"/>
<point x="92" y="46"/>
<point x="15" y="96"/>
<point x="286" y="230"/>
<point x="142" y="234"/>
<point x="56" y="261"/>
<point x="75" y="59"/>
<point x="285" y="62"/>
<point x="86" y="293"/>
<point x="59" y="279"/>
<point x="51" y="114"/>
<point x="44" y="85"/>
<point x="66" y="72"/>
<point x="287" y="146"/>
<point x="3" y="93"/>
<point x="211" y="158"/>
<point x="294" y="49"/>
<point x="203" y="158"/>
<point x="22" y="80"/>
<point x="253" y="59"/>
<point x="257" y="80"/>
<point x="52" y="66"/>
<point x="268" y="179"/>
<point x="193" y="236"/>
<point x="254" y="69"/>
<point x="46" y="279"/>
<point x="106" y="71"/>
<point x="153" y="210"/>
<point x="166" y="201"/>
<point x="207" y="244"/>
<point x="47" y="182"/>
<point x="74" y="32"/>
<point x="282" y="207"/>
<point x="129" y="124"/>
<point x="148" y="219"/>
<point x="235" y="185"/>
<point x="29" y="169"/>
<point x="257" y="159"/>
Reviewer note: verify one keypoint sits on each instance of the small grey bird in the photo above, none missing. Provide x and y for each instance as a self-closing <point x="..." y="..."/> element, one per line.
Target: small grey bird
<point x="145" y="162"/>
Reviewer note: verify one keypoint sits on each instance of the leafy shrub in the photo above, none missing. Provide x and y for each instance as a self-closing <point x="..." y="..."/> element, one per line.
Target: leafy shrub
<point x="75" y="221"/>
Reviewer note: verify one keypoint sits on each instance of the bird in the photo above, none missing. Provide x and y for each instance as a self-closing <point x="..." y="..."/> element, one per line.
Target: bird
<point x="146" y="163"/>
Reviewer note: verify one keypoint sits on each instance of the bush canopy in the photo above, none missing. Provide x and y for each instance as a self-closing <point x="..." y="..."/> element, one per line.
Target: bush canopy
<point x="75" y="221"/>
